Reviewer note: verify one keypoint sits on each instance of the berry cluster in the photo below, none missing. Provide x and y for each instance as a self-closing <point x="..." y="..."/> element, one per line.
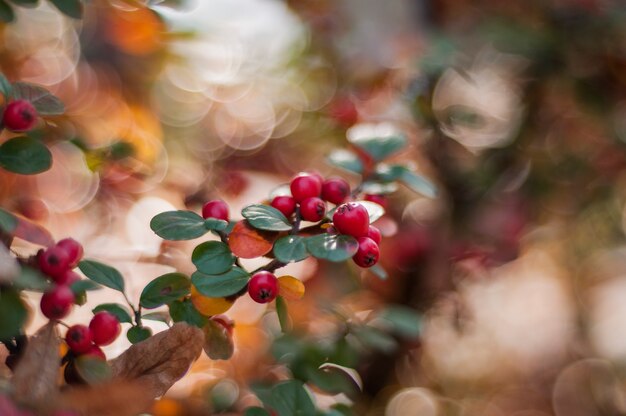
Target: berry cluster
<point x="19" y="115"/>
<point x="57" y="262"/>
<point x="103" y="329"/>
<point x="353" y="219"/>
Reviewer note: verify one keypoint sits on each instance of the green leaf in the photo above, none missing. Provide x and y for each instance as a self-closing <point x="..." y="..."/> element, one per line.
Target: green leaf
<point x="283" y="315"/>
<point x="380" y="148"/>
<point x="263" y="217"/>
<point x="92" y="370"/>
<point x="158" y="316"/>
<point x="220" y="285"/>
<point x="103" y="274"/>
<point x="332" y="247"/>
<point x="119" y="311"/>
<point x="218" y="342"/>
<point x="137" y="334"/>
<point x="13" y="312"/>
<point x="374" y="338"/>
<point x="291" y="398"/>
<point x="25" y="156"/>
<point x="335" y="378"/>
<point x="184" y="311"/>
<point x="178" y="225"/>
<point x="256" y="411"/>
<point x="44" y="102"/>
<point x="346" y="160"/>
<point x="214" y="224"/>
<point x="404" y="321"/>
<point x="6" y="12"/>
<point x="31" y="279"/>
<point x="388" y="173"/>
<point x="25" y="3"/>
<point x="84" y="285"/>
<point x="419" y="184"/>
<point x="290" y="248"/>
<point x="164" y="289"/>
<point x="379" y="188"/>
<point x="213" y="257"/>
<point x="379" y="272"/>
<point x="71" y="8"/>
<point x="8" y="222"/>
<point x="5" y="85"/>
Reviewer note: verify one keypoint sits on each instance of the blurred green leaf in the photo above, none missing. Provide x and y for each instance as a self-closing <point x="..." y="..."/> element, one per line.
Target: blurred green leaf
<point x="419" y="184"/>
<point x="291" y="398"/>
<point x="256" y="411"/>
<point x="158" y="316"/>
<point x="25" y="156"/>
<point x="13" y="312"/>
<point x="178" y="225"/>
<point x="218" y="342"/>
<point x="164" y="289"/>
<point x="220" y="285"/>
<point x="346" y="160"/>
<point x="336" y="379"/>
<point x="25" y="3"/>
<point x="290" y="248"/>
<point x="8" y="222"/>
<point x="71" y="8"/>
<point x="404" y="321"/>
<point x="103" y="274"/>
<point x="283" y="314"/>
<point x="379" y="272"/>
<point x="184" y="311"/>
<point x="31" y="279"/>
<point x="84" y="285"/>
<point x="215" y="224"/>
<point x="379" y="148"/>
<point x="374" y="338"/>
<point x="137" y="334"/>
<point x="263" y="217"/>
<point x="6" y="12"/>
<point x="212" y="257"/>
<point x="379" y="188"/>
<point x="332" y="247"/>
<point x="119" y="311"/>
<point x="5" y="85"/>
<point x="44" y="102"/>
<point x="93" y="370"/>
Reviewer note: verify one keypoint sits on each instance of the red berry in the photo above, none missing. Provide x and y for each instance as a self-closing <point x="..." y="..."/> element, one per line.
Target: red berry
<point x="54" y="262"/>
<point x="343" y="110"/>
<point x="57" y="303"/>
<point x="378" y="199"/>
<point x="263" y="287"/>
<point x="104" y="327"/>
<point x="285" y="204"/>
<point x="374" y="234"/>
<point x="316" y="174"/>
<point x="73" y="249"/>
<point x="305" y="186"/>
<point x="352" y="219"/>
<point x="313" y="209"/>
<point x="20" y="115"/>
<point x="215" y="209"/>
<point x="367" y="254"/>
<point x="95" y="352"/>
<point x="335" y="190"/>
<point x="68" y="278"/>
<point x="79" y="339"/>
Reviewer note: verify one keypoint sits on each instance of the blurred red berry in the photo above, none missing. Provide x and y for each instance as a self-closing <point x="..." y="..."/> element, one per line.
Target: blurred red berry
<point x="335" y="190"/>
<point x="313" y="209"/>
<point x="285" y="204"/>
<point x="263" y="287"/>
<point x="374" y="234"/>
<point x="215" y="209"/>
<point x="79" y="339"/>
<point x="54" y="261"/>
<point x="351" y="219"/>
<point x="305" y="186"/>
<point x="378" y="199"/>
<point x="19" y="115"/>
<point x="367" y="254"/>
<point x="343" y="110"/>
<point x="73" y="249"/>
<point x="57" y="303"/>
<point x="104" y="328"/>
<point x="95" y="352"/>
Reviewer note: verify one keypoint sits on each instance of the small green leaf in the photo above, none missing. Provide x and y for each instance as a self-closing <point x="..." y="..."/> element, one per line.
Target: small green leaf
<point x="388" y="173"/>
<point x="84" y="285"/>
<point x="332" y="247"/>
<point x="92" y="370"/>
<point x="221" y="285"/>
<point x="379" y="272"/>
<point x="283" y="315"/>
<point x="158" y="316"/>
<point x="291" y="398"/>
<point x="256" y="411"/>
<point x="346" y="160"/>
<point x="214" y="224"/>
<point x="164" y="289"/>
<point x="119" y="311"/>
<point x="103" y="274"/>
<point x="218" y="342"/>
<point x="137" y="334"/>
<point x="213" y="257"/>
<point x="71" y="8"/>
<point x="13" y="312"/>
<point x="5" y="85"/>
<point x="25" y="156"/>
<point x="6" y="12"/>
<point x="380" y="148"/>
<point x="290" y="248"/>
<point x="184" y="311"/>
<point x="31" y="279"/>
<point x="267" y="218"/>
<point x="8" y="222"/>
<point x="178" y="225"/>
<point x="44" y="102"/>
<point x="404" y="321"/>
<point x="374" y="338"/>
<point x="419" y="184"/>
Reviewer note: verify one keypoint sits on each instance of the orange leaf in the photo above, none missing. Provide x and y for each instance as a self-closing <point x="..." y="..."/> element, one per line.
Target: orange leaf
<point x="290" y="287"/>
<point x="248" y="243"/>
<point x="209" y="306"/>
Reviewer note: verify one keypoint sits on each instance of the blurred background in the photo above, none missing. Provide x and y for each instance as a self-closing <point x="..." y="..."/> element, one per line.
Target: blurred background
<point x="515" y="273"/>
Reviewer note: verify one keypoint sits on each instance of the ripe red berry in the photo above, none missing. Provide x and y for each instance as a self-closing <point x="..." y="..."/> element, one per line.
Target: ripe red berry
<point x="104" y="327"/>
<point x="352" y="219"/>
<point x="285" y="204"/>
<point x="54" y="262"/>
<point x="95" y="352"/>
<point x="19" y="115"/>
<point x="378" y="199"/>
<point x="305" y="186"/>
<point x="79" y="339"/>
<point x="67" y="278"/>
<point x="263" y="287"/>
<point x="335" y="190"/>
<point x="316" y="174"/>
<point x="57" y="303"/>
<point x="215" y="209"/>
<point x="374" y="234"/>
<point x="73" y="249"/>
<point x="313" y="209"/>
<point x="367" y="254"/>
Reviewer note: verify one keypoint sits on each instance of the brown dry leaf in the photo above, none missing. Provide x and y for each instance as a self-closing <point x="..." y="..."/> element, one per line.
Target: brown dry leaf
<point x="114" y="398"/>
<point x="248" y="243"/>
<point x="35" y="377"/>
<point x="162" y="359"/>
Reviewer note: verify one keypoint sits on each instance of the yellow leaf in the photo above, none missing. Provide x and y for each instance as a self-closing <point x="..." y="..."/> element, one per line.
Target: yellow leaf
<point x="290" y="287"/>
<point x="209" y="306"/>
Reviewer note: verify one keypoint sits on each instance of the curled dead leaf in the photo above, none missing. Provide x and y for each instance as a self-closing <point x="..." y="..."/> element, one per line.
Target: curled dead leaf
<point x="248" y="243"/>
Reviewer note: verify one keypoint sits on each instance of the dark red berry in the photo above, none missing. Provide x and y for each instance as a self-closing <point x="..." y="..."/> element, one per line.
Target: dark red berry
<point x="104" y="328"/>
<point x="215" y="209"/>
<point x="374" y="234"/>
<point x="54" y="262"/>
<point x="79" y="339"/>
<point x="305" y="186"/>
<point x="367" y="254"/>
<point x="313" y="209"/>
<point x="57" y="303"/>
<point x="378" y="199"/>
<point x="285" y="204"/>
<point x="335" y="190"/>
<point x="68" y="278"/>
<point x="316" y="174"/>
<point x="352" y="219"/>
<point x="343" y="110"/>
<point x="73" y="249"/>
<point x="20" y="115"/>
<point x="95" y="352"/>
<point x="263" y="287"/>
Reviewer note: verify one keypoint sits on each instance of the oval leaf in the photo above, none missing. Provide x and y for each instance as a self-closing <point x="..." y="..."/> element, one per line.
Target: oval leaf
<point x="209" y="306"/>
<point x="221" y="285"/>
<point x="212" y="257"/>
<point x="418" y="183"/>
<point x="215" y="224"/>
<point x="178" y="225"/>
<point x="184" y="311"/>
<point x="103" y="274"/>
<point x="120" y="311"/>
<point x="266" y="218"/>
<point x="347" y="160"/>
<point x="380" y="148"/>
<point x="248" y="243"/>
<point x="218" y="342"/>
<point x="164" y="289"/>
<point x="92" y="370"/>
<point x="84" y="285"/>
<point x="332" y="247"/>
<point x="158" y="316"/>
<point x="291" y="248"/>
<point x="44" y="102"/>
<point x="290" y="288"/>
<point x="137" y="334"/>
<point x="25" y="156"/>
